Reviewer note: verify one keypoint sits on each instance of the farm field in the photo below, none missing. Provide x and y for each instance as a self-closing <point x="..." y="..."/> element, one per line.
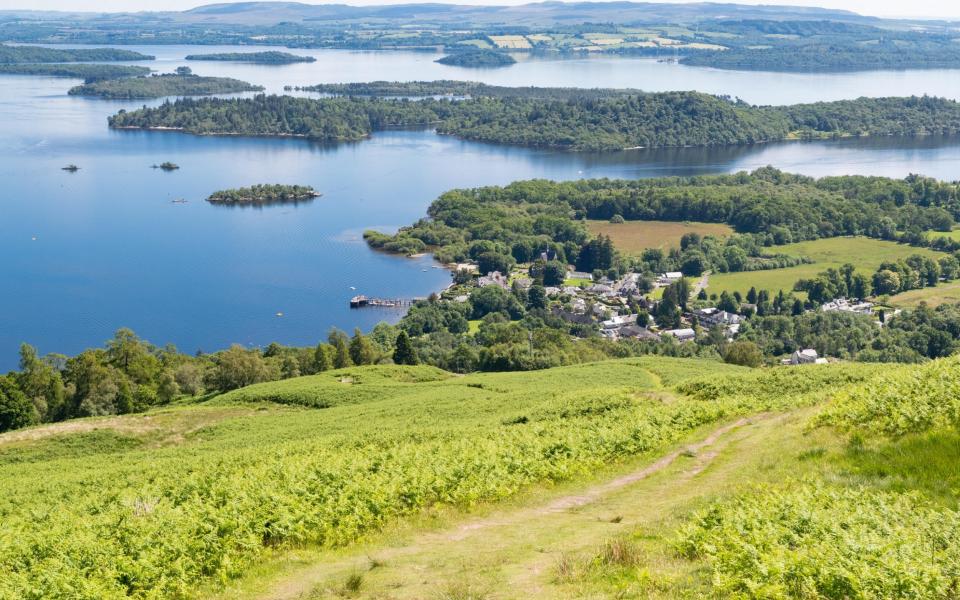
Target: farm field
<point x="865" y="253"/>
<point x="950" y="235"/>
<point x="632" y="237"/>
<point x="945" y="293"/>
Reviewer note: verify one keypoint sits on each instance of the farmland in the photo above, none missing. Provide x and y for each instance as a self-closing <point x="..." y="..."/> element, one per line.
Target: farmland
<point x="632" y="237"/>
<point x="866" y="254"/>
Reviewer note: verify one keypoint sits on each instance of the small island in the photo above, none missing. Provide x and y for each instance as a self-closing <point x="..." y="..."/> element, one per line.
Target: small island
<point x="87" y="71"/>
<point x="181" y="83"/>
<point x="271" y="57"/>
<point x="262" y="195"/>
<point x="166" y="166"/>
<point x="477" y="59"/>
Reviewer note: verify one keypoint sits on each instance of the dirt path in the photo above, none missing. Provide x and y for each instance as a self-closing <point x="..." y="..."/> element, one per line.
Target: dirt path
<point x="513" y="547"/>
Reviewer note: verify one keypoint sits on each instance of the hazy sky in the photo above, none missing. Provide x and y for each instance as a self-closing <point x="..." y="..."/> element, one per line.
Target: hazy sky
<point x="883" y="8"/>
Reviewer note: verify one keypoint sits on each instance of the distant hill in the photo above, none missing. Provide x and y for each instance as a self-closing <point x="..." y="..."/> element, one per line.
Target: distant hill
<point x="534" y="14"/>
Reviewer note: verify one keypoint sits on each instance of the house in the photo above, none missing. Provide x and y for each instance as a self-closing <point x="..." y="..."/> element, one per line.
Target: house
<point x="571" y="316"/>
<point x="636" y="332"/>
<point x="669" y="277"/>
<point x="682" y="335"/>
<point x="494" y="278"/>
<point x="618" y="321"/>
<point x="844" y="305"/>
<point x="548" y="255"/>
<point x="712" y="316"/>
<point x="806" y="357"/>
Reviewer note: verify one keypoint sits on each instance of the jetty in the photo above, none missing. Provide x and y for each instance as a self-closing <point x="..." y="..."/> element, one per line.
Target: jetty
<point x="362" y="301"/>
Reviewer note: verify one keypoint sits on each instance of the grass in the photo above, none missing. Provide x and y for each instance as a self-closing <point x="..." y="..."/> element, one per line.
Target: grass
<point x="950" y="235"/>
<point x="633" y="237"/>
<point x="865" y="253"/>
<point x="389" y="442"/>
<point x="933" y="296"/>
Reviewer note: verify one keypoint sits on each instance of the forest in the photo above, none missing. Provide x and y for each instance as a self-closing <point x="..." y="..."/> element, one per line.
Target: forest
<point x="263" y="195"/>
<point x="477" y="59"/>
<point x="271" y="57"/>
<point x="38" y="54"/>
<point x="158" y="86"/>
<point x="579" y="124"/>
<point x="465" y="89"/>
<point x="88" y="72"/>
<point x="766" y="207"/>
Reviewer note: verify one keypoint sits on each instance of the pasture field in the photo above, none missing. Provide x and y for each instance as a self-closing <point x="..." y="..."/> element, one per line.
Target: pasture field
<point x="933" y="296"/>
<point x="865" y="253"/>
<point x="516" y="42"/>
<point x="633" y="237"/>
<point x="950" y="235"/>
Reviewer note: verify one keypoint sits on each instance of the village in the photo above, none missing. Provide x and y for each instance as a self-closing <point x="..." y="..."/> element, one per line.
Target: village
<point x="626" y="308"/>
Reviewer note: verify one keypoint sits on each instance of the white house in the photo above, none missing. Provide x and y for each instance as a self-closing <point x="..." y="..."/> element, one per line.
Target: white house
<point x="619" y="321"/>
<point x="494" y="278"/>
<point x="669" y="277"/>
<point x="844" y="305"/>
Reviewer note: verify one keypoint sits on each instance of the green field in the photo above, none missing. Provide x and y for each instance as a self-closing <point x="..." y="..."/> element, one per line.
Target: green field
<point x="597" y="481"/>
<point x="865" y="253"/>
<point x="950" y="235"/>
<point x="633" y="237"/>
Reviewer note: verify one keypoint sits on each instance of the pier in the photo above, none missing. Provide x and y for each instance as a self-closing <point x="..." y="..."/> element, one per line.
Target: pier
<point x="368" y="302"/>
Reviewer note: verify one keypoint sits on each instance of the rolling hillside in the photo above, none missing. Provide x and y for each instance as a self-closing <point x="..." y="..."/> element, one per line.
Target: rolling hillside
<point x="218" y="497"/>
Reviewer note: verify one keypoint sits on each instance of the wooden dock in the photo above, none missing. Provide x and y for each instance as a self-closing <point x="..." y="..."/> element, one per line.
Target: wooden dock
<point x="367" y="302"/>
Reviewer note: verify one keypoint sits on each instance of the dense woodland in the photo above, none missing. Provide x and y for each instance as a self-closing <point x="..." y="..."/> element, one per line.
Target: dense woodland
<point x="465" y="89"/>
<point x="766" y="207"/>
<point x="271" y="57"/>
<point x="262" y="195"/>
<point x="477" y="59"/>
<point x="611" y="123"/>
<point x="88" y="72"/>
<point x="168" y="84"/>
<point x="38" y="54"/>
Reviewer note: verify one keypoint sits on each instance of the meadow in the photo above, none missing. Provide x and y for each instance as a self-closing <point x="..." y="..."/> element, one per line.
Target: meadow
<point x="633" y="237"/>
<point x="865" y="253"/>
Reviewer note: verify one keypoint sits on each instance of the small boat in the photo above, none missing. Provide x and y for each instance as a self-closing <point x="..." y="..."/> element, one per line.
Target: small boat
<point x="352" y="288"/>
<point x="33" y="239"/>
<point x="179" y="201"/>
<point x="279" y="314"/>
<point x="71" y="168"/>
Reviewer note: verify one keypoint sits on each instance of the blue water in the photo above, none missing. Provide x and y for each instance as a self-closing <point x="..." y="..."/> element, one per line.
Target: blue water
<point x="85" y="253"/>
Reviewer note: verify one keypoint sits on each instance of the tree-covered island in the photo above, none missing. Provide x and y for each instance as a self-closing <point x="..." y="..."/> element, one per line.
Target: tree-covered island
<point x="181" y="83"/>
<point x="12" y="55"/>
<point x="88" y="72"/>
<point x="590" y="123"/>
<point x="271" y="57"/>
<point x="477" y="59"/>
<point x="262" y="195"/>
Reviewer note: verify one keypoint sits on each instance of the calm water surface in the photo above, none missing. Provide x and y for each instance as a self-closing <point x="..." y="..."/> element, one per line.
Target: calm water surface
<point x="87" y="252"/>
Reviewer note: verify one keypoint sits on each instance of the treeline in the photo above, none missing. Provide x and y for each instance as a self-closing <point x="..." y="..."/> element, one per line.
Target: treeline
<point x="39" y="54"/>
<point x="766" y="208"/>
<point x="264" y="194"/>
<point x="132" y="375"/>
<point x="88" y="72"/>
<point x="837" y="55"/>
<point x="271" y="57"/>
<point x="576" y="123"/>
<point x="158" y="86"/>
<point x="477" y="59"/>
<point x="450" y="87"/>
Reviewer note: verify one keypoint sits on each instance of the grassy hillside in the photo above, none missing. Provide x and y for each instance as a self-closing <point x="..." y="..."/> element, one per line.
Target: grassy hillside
<point x="183" y="501"/>
<point x="157" y="505"/>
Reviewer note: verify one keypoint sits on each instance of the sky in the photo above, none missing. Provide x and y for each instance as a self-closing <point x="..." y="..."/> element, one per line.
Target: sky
<point x="880" y="8"/>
